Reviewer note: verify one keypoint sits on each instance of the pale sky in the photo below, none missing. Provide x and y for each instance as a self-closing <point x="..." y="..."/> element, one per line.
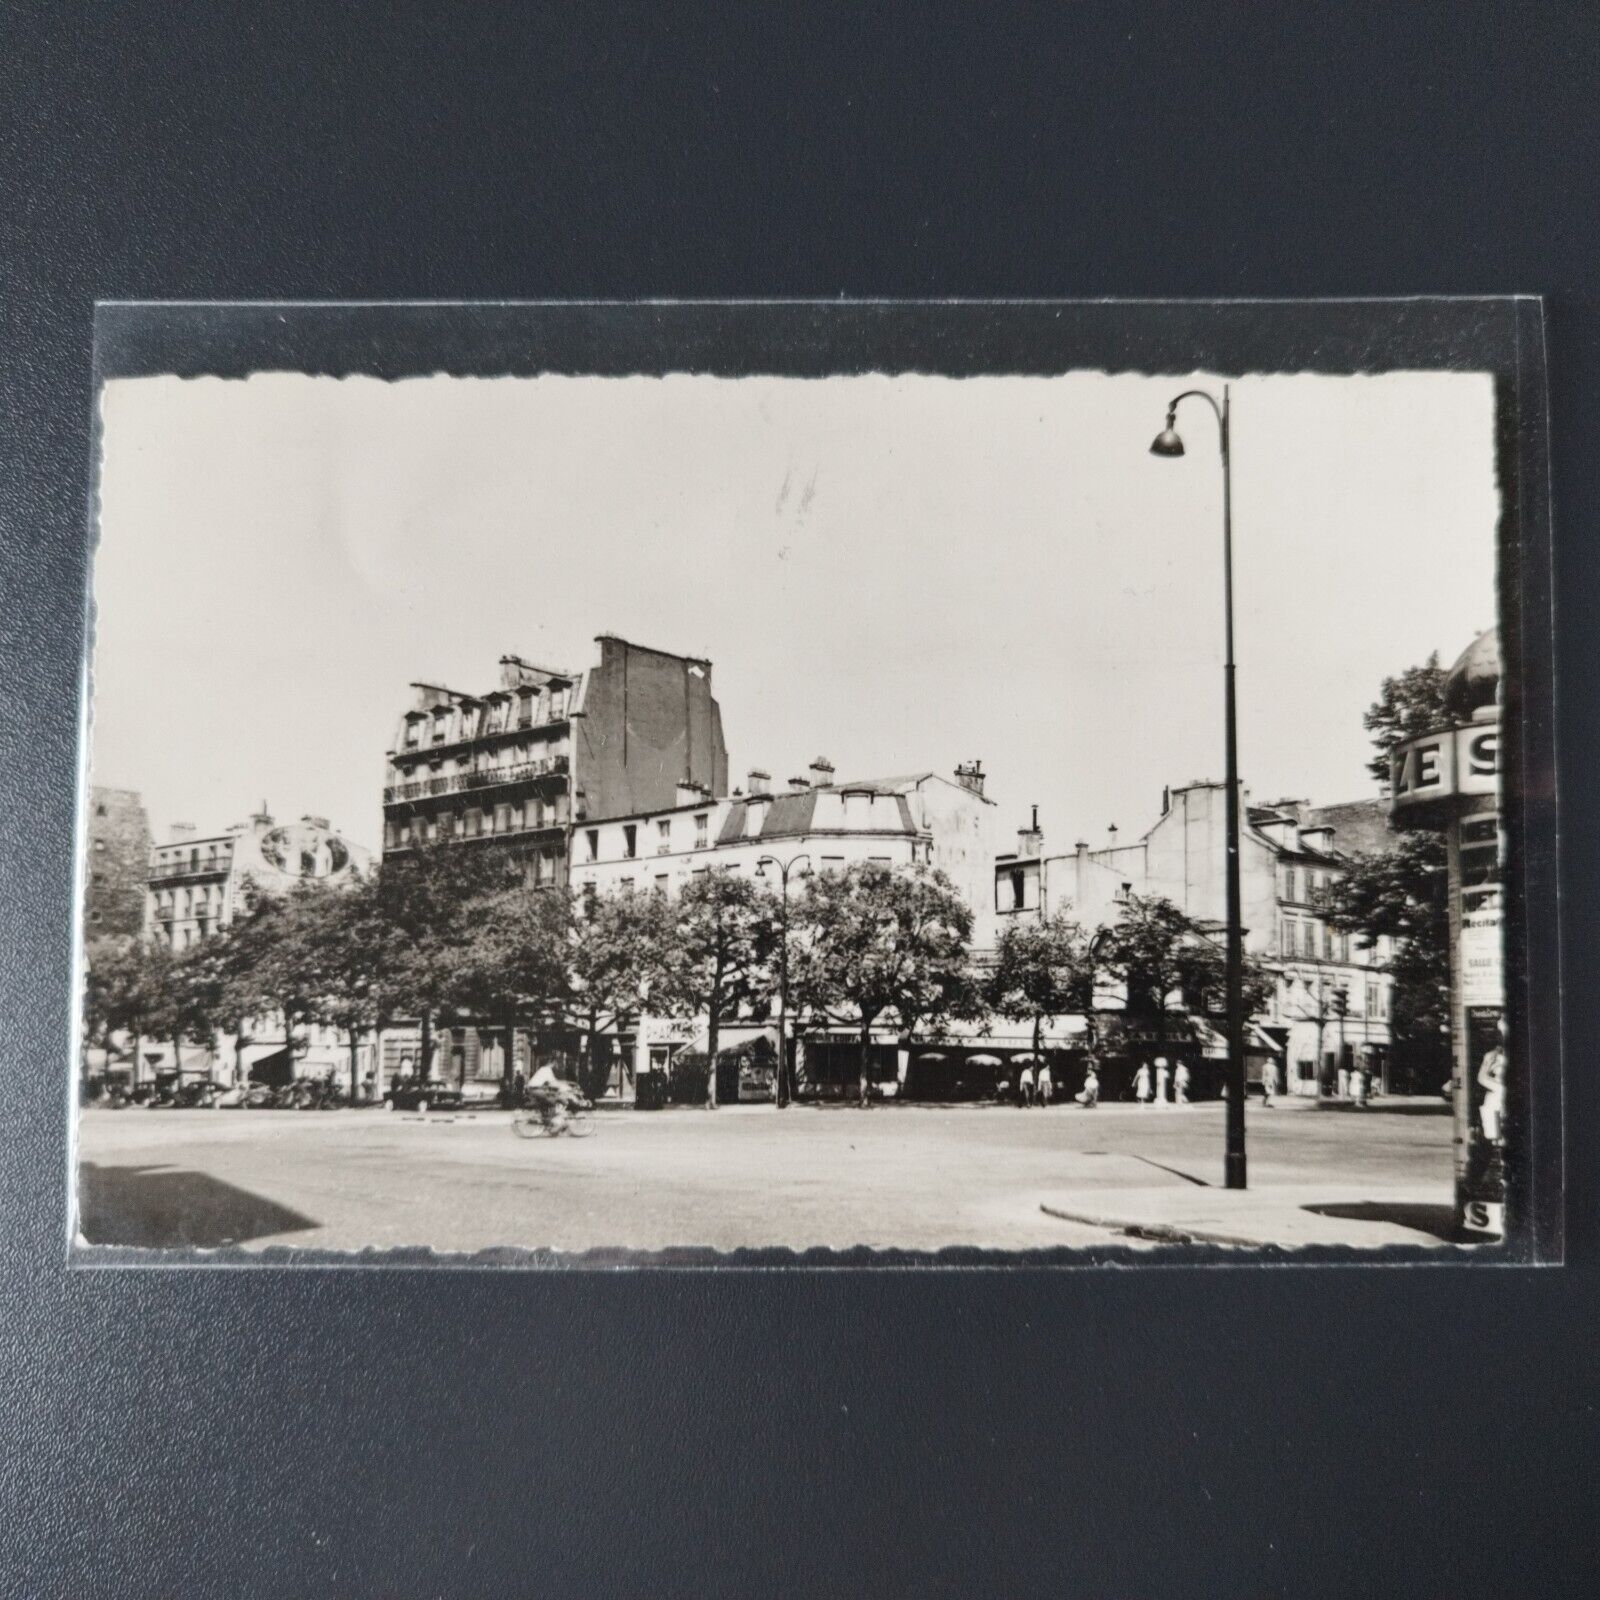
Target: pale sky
<point x="896" y="573"/>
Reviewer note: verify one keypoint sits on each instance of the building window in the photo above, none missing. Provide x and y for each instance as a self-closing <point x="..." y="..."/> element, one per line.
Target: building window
<point x="663" y="836"/>
<point x="625" y="885"/>
<point x="588" y="896"/>
<point x="701" y="823"/>
<point x="99" y="846"/>
<point x="592" y="839"/>
<point x="661" y="883"/>
<point x="1288" y="884"/>
<point x="1019" y="888"/>
<point x="833" y="863"/>
<point x="630" y="840"/>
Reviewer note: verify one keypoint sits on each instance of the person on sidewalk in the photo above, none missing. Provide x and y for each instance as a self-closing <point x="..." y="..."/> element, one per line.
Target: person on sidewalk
<point x="1025" y="1084"/>
<point x="1269" y="1082"/>
<point x="1141" y="1084"/>
<point x="1046" y="1084"/>
<point x="1089" y="1098"/>
<point x="1180" y="1084"/>
<point x="1358" y="1084"/>
<point x="1161" y="1080"/>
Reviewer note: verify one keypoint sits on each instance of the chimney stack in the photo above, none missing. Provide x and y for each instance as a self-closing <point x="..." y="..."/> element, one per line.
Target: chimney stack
<point x="689" y="794"/>
<point x="181" y="831"/>
<point x="799" y="785"/>
<point x="1030" y="840"/>
<point x="821" y="772"/>
<point x="760" y="782"/>
<point x="970" y="776"/>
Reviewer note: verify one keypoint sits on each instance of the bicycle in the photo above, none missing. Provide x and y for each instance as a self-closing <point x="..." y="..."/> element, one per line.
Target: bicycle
<point x="575" y="1118"/>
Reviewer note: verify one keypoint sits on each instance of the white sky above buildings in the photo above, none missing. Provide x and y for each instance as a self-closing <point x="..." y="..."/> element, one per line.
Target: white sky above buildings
<point x="897" y="573"/>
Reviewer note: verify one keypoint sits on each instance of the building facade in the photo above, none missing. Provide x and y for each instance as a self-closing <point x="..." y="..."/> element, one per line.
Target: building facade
<point x="118" y="866"/>
<point x="1330" y="1001"/>
<point x="195" y="886"/>
<point x="515" y="770"/>
<point x="822" y="825"/>
<point x="921" y="818"/>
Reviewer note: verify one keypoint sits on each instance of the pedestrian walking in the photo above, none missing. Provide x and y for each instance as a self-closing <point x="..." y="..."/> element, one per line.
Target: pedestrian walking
<point x="1025" y="1085"/>
<point x="1180" y="1084"/>
<point x="1162" y="1073"/>
<point x="1358" y="1085"/>
<point x="1141" y="1084"/>
<point x="1046" y="1084"/>
<point x="1269" y="1082"/>
<point x="1089" y="1098"/>
<point x="1492" y="1080"/>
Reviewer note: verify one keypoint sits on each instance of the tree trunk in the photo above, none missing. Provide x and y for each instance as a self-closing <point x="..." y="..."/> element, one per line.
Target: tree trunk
<point x="866" y="1069"/>
<point x="506" y="1065"/>
<point x="425" y="1048"/>
<point x="713" y="1039"/>
<point x="355" y="1084"/>
<point x="138" y="1051"/>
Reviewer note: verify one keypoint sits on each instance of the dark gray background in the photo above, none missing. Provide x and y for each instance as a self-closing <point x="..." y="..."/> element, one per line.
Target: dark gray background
<point x="1109" y="1433"/>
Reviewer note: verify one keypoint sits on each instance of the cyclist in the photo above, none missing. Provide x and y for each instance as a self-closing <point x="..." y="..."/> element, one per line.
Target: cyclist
<point x="551" y="1098"/>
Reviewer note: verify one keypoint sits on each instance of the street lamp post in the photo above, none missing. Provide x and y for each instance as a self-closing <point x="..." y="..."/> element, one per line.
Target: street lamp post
<point x="784" y="868"/>
<point x="1168" y="443"/>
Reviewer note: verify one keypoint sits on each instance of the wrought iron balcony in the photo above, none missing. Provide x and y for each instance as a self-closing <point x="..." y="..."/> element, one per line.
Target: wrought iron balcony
<point x="477" y="778"/>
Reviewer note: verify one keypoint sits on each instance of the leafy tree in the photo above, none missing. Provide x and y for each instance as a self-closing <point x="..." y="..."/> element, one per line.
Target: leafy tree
<point x="877" y="939"/>
<point x="1402" y="894"/>
<point x="512" y="958"/>
<point x="1407" y="706"/>
<point x="1161" y="953"/>
<point x="619" y="955"/>
<point x="425" y="898"/>
<point x="352" y="953"/>
<point x="721" y="961"/>
<point x="271" y="962"/>
<point x="118" y="995"/>
<point x="1041" y="969"/>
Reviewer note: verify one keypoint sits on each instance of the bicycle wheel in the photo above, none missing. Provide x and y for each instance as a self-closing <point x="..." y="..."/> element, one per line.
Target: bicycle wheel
<point x="526" y="1125"/>
<point x="581" y="1125"/>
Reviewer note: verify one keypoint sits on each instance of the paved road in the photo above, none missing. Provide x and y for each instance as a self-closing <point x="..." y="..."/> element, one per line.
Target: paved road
<point x="917" y="1178"/>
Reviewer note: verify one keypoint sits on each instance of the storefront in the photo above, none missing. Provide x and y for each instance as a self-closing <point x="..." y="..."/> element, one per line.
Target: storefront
<point x="1449" y="780"/>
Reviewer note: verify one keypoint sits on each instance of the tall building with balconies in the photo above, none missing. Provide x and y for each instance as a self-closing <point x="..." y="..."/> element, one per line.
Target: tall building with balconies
<point x="516" y="769"/>
<point x="194" y="885"/>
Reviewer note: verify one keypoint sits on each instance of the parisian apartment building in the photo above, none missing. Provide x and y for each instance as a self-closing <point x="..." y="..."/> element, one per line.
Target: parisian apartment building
<point x="517" y="768"/>
<point x="530" y="764"/>
<point x="196" y="885"/>
<point x="1331" y="998"/>
<point x="813" y="822"/>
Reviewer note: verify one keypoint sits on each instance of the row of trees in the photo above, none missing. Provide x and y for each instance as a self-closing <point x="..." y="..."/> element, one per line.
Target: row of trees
<point x="449" y="936"/>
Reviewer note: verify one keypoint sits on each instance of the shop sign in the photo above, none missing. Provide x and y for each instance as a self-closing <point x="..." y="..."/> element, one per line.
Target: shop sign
<point x="1482" y="961"/>
<point x="1452" y="761"/>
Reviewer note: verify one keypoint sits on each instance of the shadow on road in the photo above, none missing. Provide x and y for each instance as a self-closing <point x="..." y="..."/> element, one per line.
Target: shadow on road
<point x="166" y="1208"/>
<point x="1439" y="1220"/>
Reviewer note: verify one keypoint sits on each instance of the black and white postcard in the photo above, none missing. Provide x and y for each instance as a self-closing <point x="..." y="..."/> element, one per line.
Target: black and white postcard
<point x="674" y="796"/>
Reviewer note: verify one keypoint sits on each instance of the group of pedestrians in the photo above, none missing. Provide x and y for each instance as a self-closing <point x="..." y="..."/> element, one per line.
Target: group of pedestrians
<point x="1151" y="1086"/>
<point x="1038" y="1088"/>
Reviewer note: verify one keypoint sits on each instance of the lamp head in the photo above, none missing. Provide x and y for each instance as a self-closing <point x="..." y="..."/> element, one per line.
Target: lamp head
<point x="1167" y="442"/>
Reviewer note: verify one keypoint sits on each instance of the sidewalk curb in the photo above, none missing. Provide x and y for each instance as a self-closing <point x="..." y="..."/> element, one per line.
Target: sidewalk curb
<point x="1162" y="1232"/>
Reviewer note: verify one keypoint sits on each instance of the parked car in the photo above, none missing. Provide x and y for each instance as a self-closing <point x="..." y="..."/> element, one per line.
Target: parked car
<point x="413" y="1094"/>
